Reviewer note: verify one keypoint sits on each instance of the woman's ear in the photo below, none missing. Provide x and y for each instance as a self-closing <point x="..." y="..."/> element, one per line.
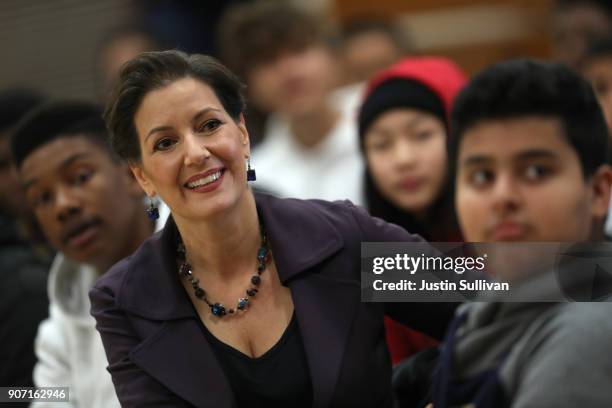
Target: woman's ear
<point x="244" y="133"/>
<point x="142" y="179"/>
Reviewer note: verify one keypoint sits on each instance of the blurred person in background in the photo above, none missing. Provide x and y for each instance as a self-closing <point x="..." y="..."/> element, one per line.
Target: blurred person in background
<point x="530" y="149"/>
<point x="403" y="132"/>
<point x="576" y="24"/>
<point x="596" y="67"/>
<point x="23" y="269"/>
<point x="285" y="56"/>
<point x="118" y="46"/>
<point x="91" y="210"/>
<point x="368" y="46"/>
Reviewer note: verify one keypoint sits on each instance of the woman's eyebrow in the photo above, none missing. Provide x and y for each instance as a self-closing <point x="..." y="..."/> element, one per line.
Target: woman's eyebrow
<point x="203" y="112"/>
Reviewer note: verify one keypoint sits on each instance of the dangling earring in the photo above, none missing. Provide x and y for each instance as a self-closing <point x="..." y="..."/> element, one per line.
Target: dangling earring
<point x="152" y="210"/>
<point x="251" y="176"/>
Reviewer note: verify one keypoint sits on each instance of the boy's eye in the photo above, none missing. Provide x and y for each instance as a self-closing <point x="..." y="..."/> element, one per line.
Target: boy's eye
<point x="164" y="144"/>
<point x="83" y="176"/>
<point x="536" y="172"/>
<point x="209" y="125"/>
<point x="481" y="177"/>
<point x="41" y="199"/>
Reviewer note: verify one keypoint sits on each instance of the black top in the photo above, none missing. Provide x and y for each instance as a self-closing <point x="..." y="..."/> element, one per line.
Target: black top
<point x="278" y="378"/>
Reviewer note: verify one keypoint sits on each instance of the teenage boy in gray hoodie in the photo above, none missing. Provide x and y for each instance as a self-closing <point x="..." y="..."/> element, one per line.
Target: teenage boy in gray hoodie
<point x="530" y="153"/>
<point x="92" y="212"/>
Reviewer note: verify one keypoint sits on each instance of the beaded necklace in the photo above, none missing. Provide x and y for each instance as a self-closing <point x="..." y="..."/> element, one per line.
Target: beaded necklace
<point x="217" y="309"/>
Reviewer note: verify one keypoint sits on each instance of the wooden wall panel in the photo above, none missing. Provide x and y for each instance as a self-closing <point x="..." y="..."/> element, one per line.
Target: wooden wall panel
<point x="474" y="33"/>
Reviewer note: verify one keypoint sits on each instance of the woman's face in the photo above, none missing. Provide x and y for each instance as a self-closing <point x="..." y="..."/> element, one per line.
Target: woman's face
<point x="192" y="152"/>
<point x="406" y="154"/>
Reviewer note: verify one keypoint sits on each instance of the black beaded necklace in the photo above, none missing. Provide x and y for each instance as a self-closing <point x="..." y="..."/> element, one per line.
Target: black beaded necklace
<point x="217" y="309"/>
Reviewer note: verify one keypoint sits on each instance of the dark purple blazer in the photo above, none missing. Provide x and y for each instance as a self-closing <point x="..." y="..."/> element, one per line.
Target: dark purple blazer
<point x="157" y="352"/>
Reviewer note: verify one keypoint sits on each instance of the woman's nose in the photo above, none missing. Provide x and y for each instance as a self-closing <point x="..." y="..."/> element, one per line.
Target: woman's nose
<point x="196" y="151"/>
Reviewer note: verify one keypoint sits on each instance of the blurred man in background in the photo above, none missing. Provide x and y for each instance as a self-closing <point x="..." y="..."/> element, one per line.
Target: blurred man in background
<point x="576" y="24"/>
<point x="368" y="46"/>
<point x="284" y="55"/>
<point x="117" y="47"/>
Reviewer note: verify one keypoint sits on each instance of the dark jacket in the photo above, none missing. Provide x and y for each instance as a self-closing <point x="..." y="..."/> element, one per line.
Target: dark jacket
<point x="159" y="356"/>
<point x="23" y="305"/>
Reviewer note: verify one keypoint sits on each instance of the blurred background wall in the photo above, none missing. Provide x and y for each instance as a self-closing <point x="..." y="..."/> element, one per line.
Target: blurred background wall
<point x="52" y="45"/>
<point x="474" y="33"/>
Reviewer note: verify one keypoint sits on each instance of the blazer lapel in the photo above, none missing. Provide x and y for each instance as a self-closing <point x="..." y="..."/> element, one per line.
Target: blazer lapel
<point x="302" y="238"/>
<point x="178" y="357"/>
<point x="176" y="352"/>
<point x="325" y="309"/>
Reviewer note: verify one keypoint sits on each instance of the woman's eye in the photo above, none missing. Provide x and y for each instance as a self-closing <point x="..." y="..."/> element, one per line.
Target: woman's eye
<point x="381" y="145"/>
<point x="378" y="144"/>
<point x="210" y="125"/>
<point x="423" y="135"/>
<point x="164" y="144"/>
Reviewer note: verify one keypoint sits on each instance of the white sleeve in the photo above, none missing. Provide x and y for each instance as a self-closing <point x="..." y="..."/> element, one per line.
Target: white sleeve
<point x="52" y="368"/>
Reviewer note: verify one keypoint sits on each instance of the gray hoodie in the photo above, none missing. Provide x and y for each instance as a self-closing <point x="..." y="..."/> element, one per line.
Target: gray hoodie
<point x="549" y="354"/>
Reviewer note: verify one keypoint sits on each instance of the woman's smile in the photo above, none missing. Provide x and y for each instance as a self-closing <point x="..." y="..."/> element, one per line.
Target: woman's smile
<point x="205" y="182"/>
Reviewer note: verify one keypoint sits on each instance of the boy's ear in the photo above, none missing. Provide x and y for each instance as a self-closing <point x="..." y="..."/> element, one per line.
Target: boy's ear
<point x="601" y="183"/>
<point x="139" y="174"/>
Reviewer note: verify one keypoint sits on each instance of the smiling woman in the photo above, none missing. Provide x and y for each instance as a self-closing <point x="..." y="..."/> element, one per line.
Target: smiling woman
<point x="243" y="298"/>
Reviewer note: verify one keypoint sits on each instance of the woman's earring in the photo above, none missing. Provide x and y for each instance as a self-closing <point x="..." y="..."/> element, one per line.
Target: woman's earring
<point x="152" y="210"/>
<point x="251" y="176"/>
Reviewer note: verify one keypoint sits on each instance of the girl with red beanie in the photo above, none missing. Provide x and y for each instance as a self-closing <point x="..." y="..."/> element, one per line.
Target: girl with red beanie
<point x="403" y="130"/>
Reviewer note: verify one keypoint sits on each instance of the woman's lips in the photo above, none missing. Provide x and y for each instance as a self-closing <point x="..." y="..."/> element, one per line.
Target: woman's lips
<point x="412" y="184"/>
<point x="209" y="186"/>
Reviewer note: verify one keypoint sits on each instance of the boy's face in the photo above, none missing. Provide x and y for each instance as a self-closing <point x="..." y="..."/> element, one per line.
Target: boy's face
<point x="84" y="201"/>
<point x="520" y="180"/>
<point x="599" y="73"/>
<point x="294" y="83"/>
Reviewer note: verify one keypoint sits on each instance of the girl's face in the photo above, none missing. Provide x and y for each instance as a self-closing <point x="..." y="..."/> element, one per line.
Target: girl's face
<point x="406" y="154"/>
<point x="192" y="152"/>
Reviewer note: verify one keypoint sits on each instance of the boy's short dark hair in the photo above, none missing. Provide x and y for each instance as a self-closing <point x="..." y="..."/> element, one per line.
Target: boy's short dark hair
<point x="252" y="33"/>
<point x="54" y="120"/>
<point x="528" y="88"/>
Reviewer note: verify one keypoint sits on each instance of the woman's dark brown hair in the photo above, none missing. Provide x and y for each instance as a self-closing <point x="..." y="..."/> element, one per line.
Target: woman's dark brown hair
<point x="154" y="70"/>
